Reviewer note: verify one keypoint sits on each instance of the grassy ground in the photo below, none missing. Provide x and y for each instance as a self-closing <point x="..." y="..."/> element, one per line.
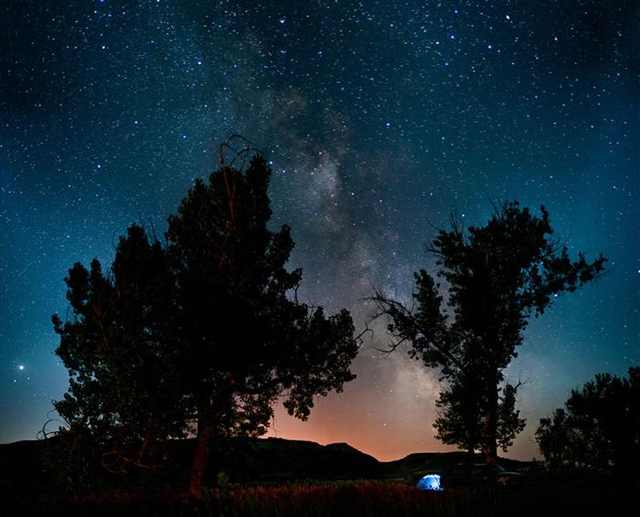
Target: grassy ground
<point x="355" y="498"/>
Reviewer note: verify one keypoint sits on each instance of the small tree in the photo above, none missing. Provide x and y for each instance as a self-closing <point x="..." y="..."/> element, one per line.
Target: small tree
<point x="509" y="421"/>
<point x="461" y="415"/>
<point x="119" y="347"/>
<point x="496" y="277"/>
<point x="600" y="427"/>
<point x="560" y="445"/>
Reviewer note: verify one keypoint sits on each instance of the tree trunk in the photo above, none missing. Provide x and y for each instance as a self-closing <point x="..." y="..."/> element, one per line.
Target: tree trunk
<point x="200" y="455"/>
<point x="468" y="465"/>
<point x="199" y="465"/>
<point x="491" y="431"/>
<point x="624" y="460"/>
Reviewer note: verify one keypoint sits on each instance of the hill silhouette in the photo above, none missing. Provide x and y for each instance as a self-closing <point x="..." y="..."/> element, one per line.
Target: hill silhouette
<point x="26" y="466"/>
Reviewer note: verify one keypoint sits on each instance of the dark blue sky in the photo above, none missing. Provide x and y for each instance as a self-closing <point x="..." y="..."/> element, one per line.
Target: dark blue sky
<point x="380" y="118"/>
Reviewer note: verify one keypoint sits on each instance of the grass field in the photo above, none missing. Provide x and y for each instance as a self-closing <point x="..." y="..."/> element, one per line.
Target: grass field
<point x="266" y="478"/>
<point x="348" y="498"/>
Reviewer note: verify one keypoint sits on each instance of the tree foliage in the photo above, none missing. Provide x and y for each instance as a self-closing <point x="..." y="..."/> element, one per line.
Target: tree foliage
<point x="119" y="349"/>
<point x="459" y="414"/>
<point x="230" y="270"/>
<point x="599" y="427"/>
<point x="205" y="330"/>
<point x="495" y="278"/>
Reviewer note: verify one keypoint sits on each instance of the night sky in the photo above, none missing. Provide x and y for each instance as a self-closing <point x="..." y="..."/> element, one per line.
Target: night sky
<point x="380" y="118"/>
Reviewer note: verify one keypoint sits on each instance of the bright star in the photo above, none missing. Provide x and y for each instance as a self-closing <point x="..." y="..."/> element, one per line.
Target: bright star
<point x="21" y="367"/>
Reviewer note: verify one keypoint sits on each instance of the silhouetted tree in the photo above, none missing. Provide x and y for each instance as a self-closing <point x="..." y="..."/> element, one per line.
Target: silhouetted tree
<point x="560" y="444"/>
<point x="459" y="415"/>
<point x="119" y="348"/>
<point x="206" y="330"/>
<point x="600" y="427"/>
<point x="496" y="277"/>
<point x="246" y="340"/>
<point x="509" y="421"/>
<point x="461" y="404"/>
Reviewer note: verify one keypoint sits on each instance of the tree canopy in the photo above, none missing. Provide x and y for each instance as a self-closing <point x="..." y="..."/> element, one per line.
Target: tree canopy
<point x="119" y="349"/>
<point x="495" y="278"/>
<point x="204" y="330"/>
<point x="599" y="427"/>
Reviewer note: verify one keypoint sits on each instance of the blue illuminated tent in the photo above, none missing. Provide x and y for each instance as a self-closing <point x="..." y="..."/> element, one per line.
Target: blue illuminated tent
<point x="430" y="482"/>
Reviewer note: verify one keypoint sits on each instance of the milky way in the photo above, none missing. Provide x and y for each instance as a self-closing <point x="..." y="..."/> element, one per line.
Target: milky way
<point x="380" y="119"/>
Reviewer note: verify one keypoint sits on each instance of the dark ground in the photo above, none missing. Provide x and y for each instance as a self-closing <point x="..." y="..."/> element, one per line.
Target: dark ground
<point x="286" y="478"/>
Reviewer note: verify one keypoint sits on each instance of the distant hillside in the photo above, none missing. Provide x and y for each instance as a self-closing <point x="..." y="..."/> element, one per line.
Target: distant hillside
<point x="416" y="464"/>
<point x="27" y="465"/>
<point x="277" y="459"/>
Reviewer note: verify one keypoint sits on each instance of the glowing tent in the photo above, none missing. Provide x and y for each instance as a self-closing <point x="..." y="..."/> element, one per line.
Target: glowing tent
<point x="430" y="482"/>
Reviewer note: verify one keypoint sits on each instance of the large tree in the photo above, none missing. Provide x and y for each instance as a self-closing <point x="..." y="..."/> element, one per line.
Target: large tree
<point x="495" y="278"/>
<point x="246" y="339"/>
<point x="206" y="330"/>
<point x="599" y="427"/>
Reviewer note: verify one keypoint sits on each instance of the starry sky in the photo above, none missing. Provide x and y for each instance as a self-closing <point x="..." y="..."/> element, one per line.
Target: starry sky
<point x="380" y="119"/>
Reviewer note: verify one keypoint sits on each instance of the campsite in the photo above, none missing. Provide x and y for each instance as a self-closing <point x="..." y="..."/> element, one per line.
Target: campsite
<point x="276" y="477"/>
